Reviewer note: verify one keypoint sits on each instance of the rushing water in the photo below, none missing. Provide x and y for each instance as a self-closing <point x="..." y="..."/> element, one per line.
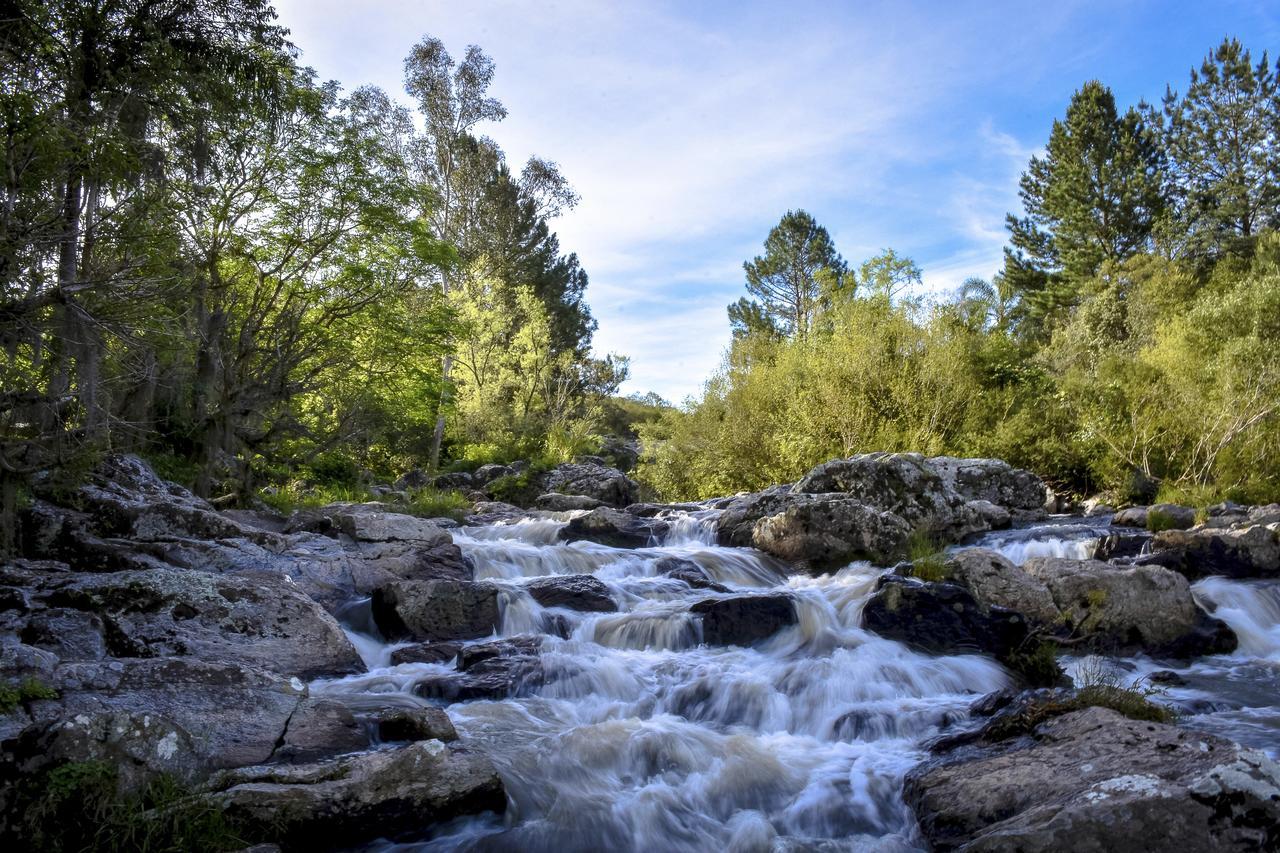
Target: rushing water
<point x="643" y="738"/>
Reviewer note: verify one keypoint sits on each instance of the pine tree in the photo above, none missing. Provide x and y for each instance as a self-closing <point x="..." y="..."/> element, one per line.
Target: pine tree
<point x="787" y="279"/>
<point x="1223" y="142"/>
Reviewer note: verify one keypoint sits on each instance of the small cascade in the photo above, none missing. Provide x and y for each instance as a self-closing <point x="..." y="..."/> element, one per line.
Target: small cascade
<point x="1250" y="608"/>
<point x="1071" y="538"/>
<point x="690" y="528"/>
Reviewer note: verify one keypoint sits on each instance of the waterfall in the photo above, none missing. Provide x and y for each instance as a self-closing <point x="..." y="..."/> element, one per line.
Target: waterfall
<point x="1251" y="608"/>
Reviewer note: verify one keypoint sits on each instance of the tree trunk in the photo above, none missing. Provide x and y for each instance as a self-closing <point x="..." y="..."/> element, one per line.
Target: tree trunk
<point x="437" y="438"/>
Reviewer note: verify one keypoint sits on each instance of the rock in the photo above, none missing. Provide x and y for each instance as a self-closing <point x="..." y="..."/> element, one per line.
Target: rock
<point x="436" y="610"/>
<point x="425" y="653"/>
<point x="1170" y="517"/>
<point x="370" y="525"/>
<point x="413" y="479"/>
<point x="1129" y="608"/>
<point x="1134" y="516"/>
<point x="994" y="481"/>
<point x="1208" y="636"/>
<point x="994" y="580"/>
<point x="320" y="728"/>
<point x="941" y="618"/>
<point x="737" y="522"/>
<point x="622" y="453"/>
<point x="234" y="715"/>
<point x="649" y="510"/>
<point x="508" y="667"/>
<point x="486" y="474"/>
<point x="1120" y="546"/>
<point x="167" y="613"/>
<point x="576" y="592"/>
<point x="614" y="528"/>
<point x="1099" y="509"/>
<point x="459" y="481"/>
<point x="556" y="502"/>
<point x="381" y="794"/>
<point x="607" y="485"/>
<point x="1093" y="780"/>
<point x="687" y="571"/>
<point x="993" y="517"/>
<point x="422" y="723"/>
<point x="1168" y="677"/>
<point x="140" y="747"/>
<point x="1249" y="552"/>
<point x="744" y="620"/>
<point x="825" y="531"/>
<point x="1226" y="508"/>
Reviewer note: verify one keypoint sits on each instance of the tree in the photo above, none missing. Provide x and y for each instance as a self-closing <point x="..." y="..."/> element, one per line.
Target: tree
<point x="748" y="317"/>
<point x="1094" y="197"/>
<point x="788" y="278"/>
<point x="1223" y="143"/>
<point x="887" y="275"/>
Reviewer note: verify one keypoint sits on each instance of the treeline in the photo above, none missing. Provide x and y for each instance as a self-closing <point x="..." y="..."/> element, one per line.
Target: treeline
<point x="1128" y="344"/>
<point x="212" y="257"/>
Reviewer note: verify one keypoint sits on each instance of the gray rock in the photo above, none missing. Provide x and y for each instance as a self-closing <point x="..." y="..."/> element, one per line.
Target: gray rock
<point x="556" y="502"/>
<point x="576" y="592"/>
<point x="994" y="580"/>
<point x="608" y="485"/>
<point x="1136" y="607"/>
<point x="140" y="746"/>
<point x="436" y="610"/>
<point x="499" y="669"/>
<point x="422" y="723"/>
<point x="425" y="653"/>
<point x="687" y="571"/>
<point x="320" y="728"/>
<point x="1170" y="517"/>
<point x="824" y="531"/>
<point x="1134" y="516"/>
<point x="1093" y="780"/>
<point x="942" y="618"/>
<point x="1247" y="552"/>
<point x="385" y="793"/>
<point x="994" y="481"/>
<point x="168" y="613"/>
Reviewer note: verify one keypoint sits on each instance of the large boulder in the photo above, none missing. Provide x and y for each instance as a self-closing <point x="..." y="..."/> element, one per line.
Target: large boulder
<point x="942" y="618"/>
<point x="337" y="803"/>
<point x="994" y="580"/>
<point x="744" y="620"/>
<point x="1139" y="607"/>
<point x="1251" y="551"/>
<point x="436" y="610"/>
<point x="829" y="530"/>
<point x="615" y="528"/>
<point x="1094" y="780"/>
<point x="174" y="613"/>
<point x="1170" y="517"/>
<point x="607" y="485"/>
<point x="556" y="502"/>
<point x="576" y="592"/>
<point x="995" y="481"/>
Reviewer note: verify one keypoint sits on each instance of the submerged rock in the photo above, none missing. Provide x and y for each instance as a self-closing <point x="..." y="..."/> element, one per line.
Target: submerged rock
<point x="576" y="592"/>
<point x="942" y="618"/>
<point x="1094" y="780"/>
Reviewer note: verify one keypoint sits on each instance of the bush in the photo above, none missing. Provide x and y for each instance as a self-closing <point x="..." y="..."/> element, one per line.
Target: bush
<point x="334" y="468"/>
<point x="928" y="562"/>
<point x="434" y="503"/>
<point x="1158" y="520"/>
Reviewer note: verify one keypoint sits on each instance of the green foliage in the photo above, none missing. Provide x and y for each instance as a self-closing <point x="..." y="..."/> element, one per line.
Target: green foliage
<point x="78" y="806"/>
<point x="520" y="489"/>
<point x="1037" y="666"/>
<point x="799" y="265"/>
<point x="435" y="503"/>
<point x="1158" y="520"/>
<point x="27" y="690"/>
<point x="928" y="562"/>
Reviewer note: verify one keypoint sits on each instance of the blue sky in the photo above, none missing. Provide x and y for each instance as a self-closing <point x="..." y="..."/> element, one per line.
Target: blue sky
<point x="689" y="128"/>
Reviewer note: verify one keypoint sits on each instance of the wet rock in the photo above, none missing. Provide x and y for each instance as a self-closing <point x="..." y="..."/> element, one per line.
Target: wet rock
<point x="649" y="510"/>
<point x="1134" y="516"/>
<point x="1126" y="608"/>
<point x="436" y="610"/>
<point x="1120" y="546"/>
<point x="1208" y="636"/>
<point x="503" y="668"/>
<point x="825" y="531"/>
<point x="942" y="618"/>
<point x="141" y="747"/>
<point x="992" y="480"/>
<point x="555" y="502"/>
<point x="576" y="592"/>
<point x="614" y="528"/>
<point x="1249" y="552"/>
<point x="687" y="571"/>
<point x="607" y="485"/>
<point x="745" y="619"/>
<point x="1093" y="780"/>
<point x="386" y="793"/>
<point x="424" y="723"/>
<point x="425" y="653"/>
<point x="168" y="613"/>
<point x="1167" y="677"/>
<point x="994" y="580"/>
<point x="739" y="514"/>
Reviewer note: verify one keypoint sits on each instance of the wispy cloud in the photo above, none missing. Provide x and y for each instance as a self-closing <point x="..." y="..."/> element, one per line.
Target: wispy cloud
<point x="690" y="128"/>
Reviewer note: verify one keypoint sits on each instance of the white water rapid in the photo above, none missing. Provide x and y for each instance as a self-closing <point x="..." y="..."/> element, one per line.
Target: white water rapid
<point x="642" y="738"/>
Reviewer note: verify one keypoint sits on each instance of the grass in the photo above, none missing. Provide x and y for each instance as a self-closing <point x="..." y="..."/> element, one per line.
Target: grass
<point x="27" y="690"/>
<point x="928" y="562"/>
<point x="1037" y="666"/>
<point x="1099" y="684"/>
<point x="79" y="807"/>
<point x="437" y="503"/>
<point x="1158" y="520"/>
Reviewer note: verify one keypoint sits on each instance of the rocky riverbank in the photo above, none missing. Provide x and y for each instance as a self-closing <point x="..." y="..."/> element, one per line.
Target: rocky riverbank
<point x="321" y="680"/>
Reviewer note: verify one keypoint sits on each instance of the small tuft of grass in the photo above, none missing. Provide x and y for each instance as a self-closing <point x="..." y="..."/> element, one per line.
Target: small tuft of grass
<point x="928" y="562"/>
<point x="27" y="690"/>
<point x="436" y="503"/>
<point x="1158" y="520"/>
<point x="1037" y="666"/>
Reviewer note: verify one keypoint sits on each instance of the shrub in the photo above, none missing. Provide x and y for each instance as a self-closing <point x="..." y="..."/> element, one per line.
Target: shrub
<point x="1158" y="520"/>
<point x="334" y="468"/>
<point x="27" y="690"/>
<point x="1038" y="665"/>
<point x="435" y="503"/>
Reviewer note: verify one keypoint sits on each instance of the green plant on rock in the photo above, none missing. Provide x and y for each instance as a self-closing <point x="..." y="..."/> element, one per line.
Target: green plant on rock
<point x="27" y="690"/>
<point x="928" y="561"/>
<point x="1036" y="663"/>
<point x="1099" y="682"/>
<point x="430" y="502"/>
<point x="1158" y="519"/>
